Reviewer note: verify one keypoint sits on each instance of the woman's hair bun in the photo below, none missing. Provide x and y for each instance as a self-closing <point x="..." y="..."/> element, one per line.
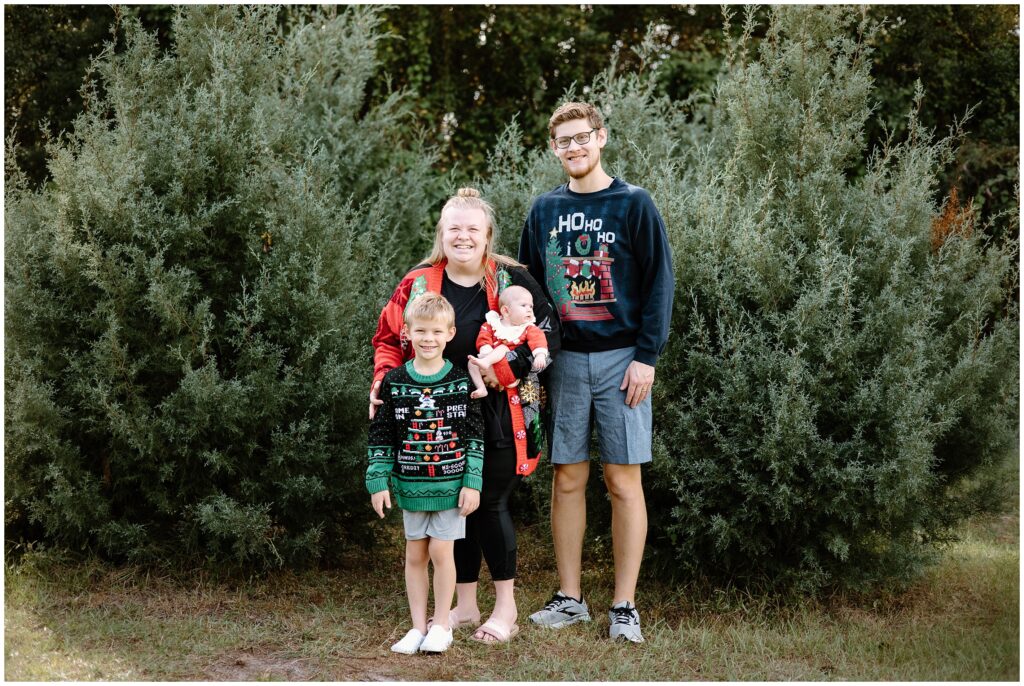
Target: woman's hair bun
<point x="468" y="192"/>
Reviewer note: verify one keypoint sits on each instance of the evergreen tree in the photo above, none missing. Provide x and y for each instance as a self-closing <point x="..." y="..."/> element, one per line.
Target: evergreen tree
<point x="189" y="302"/>
<point x="840" y="385"/>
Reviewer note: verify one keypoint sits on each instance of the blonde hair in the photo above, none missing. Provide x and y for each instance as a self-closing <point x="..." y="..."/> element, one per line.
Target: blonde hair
<point x="575" y="110"/>
<point x="467" y="198"/>
<point x="429" y="307"/>
<point x="509" y="291"/>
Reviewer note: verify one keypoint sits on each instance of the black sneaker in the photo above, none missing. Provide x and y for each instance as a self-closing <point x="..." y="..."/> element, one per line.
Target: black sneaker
<point x="561" y="611"/>
<point x="625" y="622"/>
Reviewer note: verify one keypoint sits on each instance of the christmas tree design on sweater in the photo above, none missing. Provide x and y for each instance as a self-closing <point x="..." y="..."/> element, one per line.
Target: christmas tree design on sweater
<point x="426" y="439"/>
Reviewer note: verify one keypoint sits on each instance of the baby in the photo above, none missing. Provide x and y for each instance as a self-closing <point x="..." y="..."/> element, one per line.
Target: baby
<point x="501" y="334"/>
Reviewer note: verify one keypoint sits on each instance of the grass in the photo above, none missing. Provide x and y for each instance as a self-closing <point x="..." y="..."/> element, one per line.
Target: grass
<point x="91" y="621"/>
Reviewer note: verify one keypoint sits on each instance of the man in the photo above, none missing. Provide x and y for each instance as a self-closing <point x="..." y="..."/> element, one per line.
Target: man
<point x="598" y="247"/>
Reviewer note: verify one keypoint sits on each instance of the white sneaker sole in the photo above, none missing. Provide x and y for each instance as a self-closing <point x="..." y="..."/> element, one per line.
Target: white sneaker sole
<point x="624" y="637"/>
<point x="565" y="622"/>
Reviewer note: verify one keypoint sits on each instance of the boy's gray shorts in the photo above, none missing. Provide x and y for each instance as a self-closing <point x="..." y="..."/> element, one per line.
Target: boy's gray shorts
<point x="446" y="525"/>
<point x="584" y="391"/>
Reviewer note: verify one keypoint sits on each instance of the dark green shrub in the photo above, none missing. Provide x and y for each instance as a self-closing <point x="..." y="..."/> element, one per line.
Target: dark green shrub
<point x="189" y="302"/>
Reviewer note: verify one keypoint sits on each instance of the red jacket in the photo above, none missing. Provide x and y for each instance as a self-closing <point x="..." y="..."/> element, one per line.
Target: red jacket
<point x="391" y="349"/>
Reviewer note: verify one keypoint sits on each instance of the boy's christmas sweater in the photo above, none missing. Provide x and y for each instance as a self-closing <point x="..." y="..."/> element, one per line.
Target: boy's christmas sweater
<point x="427" y="439"/>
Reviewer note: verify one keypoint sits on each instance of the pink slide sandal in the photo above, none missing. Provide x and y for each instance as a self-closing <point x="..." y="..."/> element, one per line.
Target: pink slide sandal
<point x="498" y="633"/>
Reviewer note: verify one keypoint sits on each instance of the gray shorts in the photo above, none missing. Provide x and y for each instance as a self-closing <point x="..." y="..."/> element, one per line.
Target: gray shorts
<point x="446" y="525"/>
<point x="585" y="391"/>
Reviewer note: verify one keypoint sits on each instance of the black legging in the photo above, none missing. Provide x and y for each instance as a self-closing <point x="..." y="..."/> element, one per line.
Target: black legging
<point x="489" y="529"/>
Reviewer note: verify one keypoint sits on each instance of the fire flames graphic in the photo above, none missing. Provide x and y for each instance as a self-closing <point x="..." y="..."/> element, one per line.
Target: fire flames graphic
<point x="583" y="291"/>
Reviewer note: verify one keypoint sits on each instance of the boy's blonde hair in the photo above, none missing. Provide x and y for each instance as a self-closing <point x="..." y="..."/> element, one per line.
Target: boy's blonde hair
<point x="430" y="306"/>
<point x="509" y="291"/>
<point x="575" y="110"/>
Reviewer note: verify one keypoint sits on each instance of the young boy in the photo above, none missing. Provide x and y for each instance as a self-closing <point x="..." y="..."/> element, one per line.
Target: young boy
<point x="502" y="333"/>
<point x="427" y="438"/>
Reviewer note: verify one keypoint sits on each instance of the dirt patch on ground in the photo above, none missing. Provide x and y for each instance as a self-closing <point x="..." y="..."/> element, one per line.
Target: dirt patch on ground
<point x="253" y="666"/>
<point x="256" y="665"/>
<point x="355" y="668"/>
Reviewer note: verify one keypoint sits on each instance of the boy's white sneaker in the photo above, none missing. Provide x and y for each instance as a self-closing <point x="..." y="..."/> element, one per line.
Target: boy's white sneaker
<point x="410" y="644"/>
<point x="437" y="641"/>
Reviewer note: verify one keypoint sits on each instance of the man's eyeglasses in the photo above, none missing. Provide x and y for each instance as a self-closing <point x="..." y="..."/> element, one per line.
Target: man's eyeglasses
<point x="581" y="138"/>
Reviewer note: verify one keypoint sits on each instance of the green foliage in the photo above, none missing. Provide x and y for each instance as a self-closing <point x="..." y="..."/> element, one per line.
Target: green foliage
<point x="967" y="58"/>
<point x="474" y="67"/>
<point x="189" y="302"/>
<point x="836" y="394"/>
<point x="47" y="49"/>
<point x="470" y="69"/>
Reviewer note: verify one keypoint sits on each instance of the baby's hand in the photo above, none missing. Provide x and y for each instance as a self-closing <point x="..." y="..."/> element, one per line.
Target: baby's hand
<point x="539" y="362"/>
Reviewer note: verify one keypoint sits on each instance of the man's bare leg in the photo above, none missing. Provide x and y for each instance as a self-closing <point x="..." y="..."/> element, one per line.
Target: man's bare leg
<point x="629" y="526"/>
<point x="569" y="523"/>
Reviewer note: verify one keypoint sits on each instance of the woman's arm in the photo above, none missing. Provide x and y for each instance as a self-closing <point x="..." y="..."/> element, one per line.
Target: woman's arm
<point x="388" y="352"/>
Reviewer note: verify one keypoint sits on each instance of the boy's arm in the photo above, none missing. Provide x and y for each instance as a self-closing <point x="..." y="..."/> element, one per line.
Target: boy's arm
<point x="380" y="443"/>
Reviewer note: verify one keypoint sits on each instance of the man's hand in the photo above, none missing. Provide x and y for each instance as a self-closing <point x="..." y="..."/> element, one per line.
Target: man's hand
<point x="637" y="382"/>
<point x="375" y="402"/>
<point x="380" y="500"/>
<point x="469" y="500"/>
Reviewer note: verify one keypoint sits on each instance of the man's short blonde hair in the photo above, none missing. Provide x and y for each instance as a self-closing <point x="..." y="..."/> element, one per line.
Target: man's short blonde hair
<point x="575" y="110"/>
<point x="429" y="307"/>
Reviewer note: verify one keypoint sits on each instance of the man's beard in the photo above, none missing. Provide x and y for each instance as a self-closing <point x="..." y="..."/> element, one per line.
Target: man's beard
<point x="578" y="173"/>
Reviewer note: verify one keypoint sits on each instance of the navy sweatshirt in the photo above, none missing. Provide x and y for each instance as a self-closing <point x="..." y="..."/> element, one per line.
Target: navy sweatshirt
<point x="604" y="261"/>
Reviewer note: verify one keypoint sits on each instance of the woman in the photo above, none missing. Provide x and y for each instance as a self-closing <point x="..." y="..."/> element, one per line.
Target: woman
<point x="465" y="270"/>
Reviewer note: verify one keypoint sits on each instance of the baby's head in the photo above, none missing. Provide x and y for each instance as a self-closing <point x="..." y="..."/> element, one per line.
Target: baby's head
<point x="516" y="305"/>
